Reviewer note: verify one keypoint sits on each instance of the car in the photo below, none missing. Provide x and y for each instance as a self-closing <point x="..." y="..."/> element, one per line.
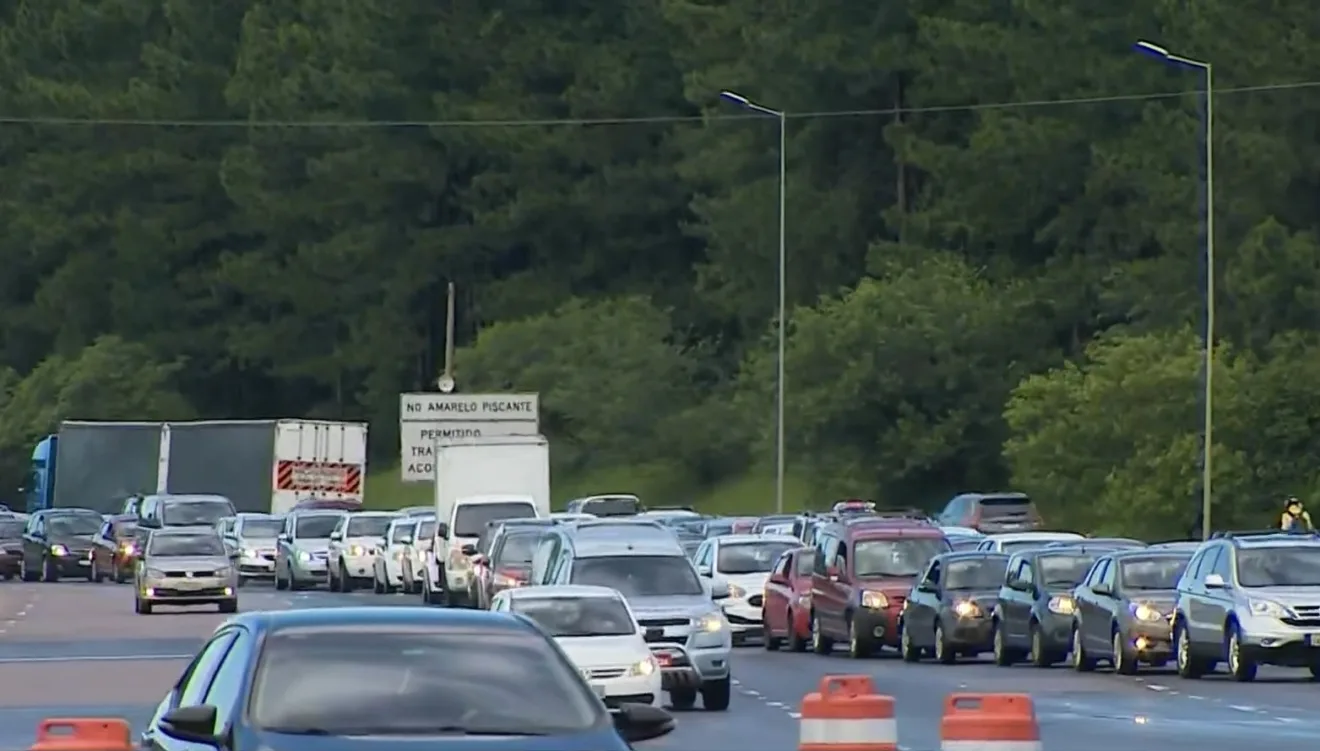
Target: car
<point x="863" y="571"/>
<point x="412" y="562"/>
<point x="991" y="513"/>
<point x="1249" y="599"/>
<point x="744" y="562"/>
<point x="1124" y="607"/>
<point x="948" y="612"/>
<point x="114" y="554"/>
<point x="302" y="548"/>
<point x="185" y="566"/>
<point x="605" y="505"/>
<point x="680" y="610"/>
<point x="508" y="565"/>
<point x="183" y="510"/>
<point x="256" y="538"/>
<point x="11" y="546"/>
<point x="387" y="569"/>
<point x="354" y="545"/>
<point x="392" y="678"/>
<point x="786" y="604"/>
<point x="58" y="543"/>
<point x="1013" y="542"/>
<point x="599" y="633"/>
<point x="447" y="571"/>
<point x="1033" y="615"/>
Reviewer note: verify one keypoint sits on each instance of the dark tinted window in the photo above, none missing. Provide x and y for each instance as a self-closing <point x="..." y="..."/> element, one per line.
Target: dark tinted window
<point x="317" y="526"/>
<point x="976" y="573"/>
<point x="368" y="526"/>
<point x="11" y="529"/>
<point x="261" y="528"/>
<point x="517" y="549"/>
<point x="751" y="557"/>
<point x="612" y="507"/>
<point x="1160" y="572"/>
<point x="471" y="518"/>
<point x="997" y="506"/>
<point x="184" y="545"/>
<point x="1062" y="570"/>
<point x="418" y="682"/>
<point x="577" y="616"/>
<point x="65" y="525"/>
<point x="639" y="575"/>
<point x="195" y="513"/>
<point x="900" y="557"/>
<point x="1279" y="567"/>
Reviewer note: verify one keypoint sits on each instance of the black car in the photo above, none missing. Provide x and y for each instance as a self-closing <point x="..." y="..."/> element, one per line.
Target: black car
<point x="948" y="612"/>
<point x="1033" y="617"/>
<point x="57" y="543"/>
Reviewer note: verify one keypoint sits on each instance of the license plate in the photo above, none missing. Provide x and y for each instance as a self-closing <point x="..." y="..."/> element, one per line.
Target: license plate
<point x="599" y="689"/>
<point x="1313" y="640"/>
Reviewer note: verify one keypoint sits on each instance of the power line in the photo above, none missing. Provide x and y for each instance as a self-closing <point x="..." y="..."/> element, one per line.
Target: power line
<point x="606" y="121"/>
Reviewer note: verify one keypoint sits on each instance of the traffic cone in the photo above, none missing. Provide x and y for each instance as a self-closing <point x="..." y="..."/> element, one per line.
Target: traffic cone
<point x="846" y="714"/>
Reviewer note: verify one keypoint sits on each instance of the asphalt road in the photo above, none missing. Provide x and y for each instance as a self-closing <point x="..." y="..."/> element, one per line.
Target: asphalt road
<point x="77" y="649"/>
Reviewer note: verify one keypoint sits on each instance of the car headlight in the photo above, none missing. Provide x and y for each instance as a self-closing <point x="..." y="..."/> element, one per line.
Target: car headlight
<point x="304" y="556"/>
<point x="966" y="609"/>
<point x="223" y="571"/>
<point x="58" y="550"/>
<point x="155" y="573"/>
<point x="737" y="592"/>
<point x="874" y="600"/>
<point x="1144" y="612"/>
<point x="1268" y="609"/>
<point x="249" y="553"/>
<point x="356" y="550"/>
<point x="126" y="548"/>
<point x="711" y="623"/>
<point x="643" y="668"/>
<point x="1063" y="605"/>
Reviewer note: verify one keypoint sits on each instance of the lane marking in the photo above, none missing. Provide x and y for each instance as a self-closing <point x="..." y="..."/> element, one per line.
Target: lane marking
<point x="93" y="658"/>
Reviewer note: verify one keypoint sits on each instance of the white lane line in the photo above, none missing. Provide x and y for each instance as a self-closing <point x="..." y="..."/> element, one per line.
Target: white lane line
<point x="1156" y="687"/>
<point x="1242" y="708"/>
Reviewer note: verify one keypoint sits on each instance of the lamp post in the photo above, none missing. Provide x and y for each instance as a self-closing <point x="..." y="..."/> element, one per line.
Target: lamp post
<point x="1208" y="217"/>
<point x="746" y="103"/>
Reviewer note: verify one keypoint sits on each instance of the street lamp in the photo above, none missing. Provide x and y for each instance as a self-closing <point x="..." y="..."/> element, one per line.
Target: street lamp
<point x="746" y="103"/>
<point x="1156" y="51"/>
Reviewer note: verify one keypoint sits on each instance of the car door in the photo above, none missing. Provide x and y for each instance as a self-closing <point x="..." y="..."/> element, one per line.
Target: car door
<point x="335" y="547"/>
<point x="227" y="689"/>
<point x="1089" y="612"/>
<point x="1016" y="601"/>
<point x="840" y="583"/>
<point x="103" y="546"/>
<point x="922" y="606"/>
<point x="33" y="541"/>
<point x="1199" y="610"/>
<point x="1218" y="601"/>
<point x="822" y="589"/>
<point x="702" y="557"/>
<point x="189" y="690"/>
<point x="777" y="595"/>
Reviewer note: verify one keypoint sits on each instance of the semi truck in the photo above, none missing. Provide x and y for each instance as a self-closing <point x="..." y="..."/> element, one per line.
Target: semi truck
<point x="260" y="465"/>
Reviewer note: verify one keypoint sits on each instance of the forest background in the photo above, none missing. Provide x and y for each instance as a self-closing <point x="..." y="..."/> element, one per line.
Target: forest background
<point x="994" y="228"/>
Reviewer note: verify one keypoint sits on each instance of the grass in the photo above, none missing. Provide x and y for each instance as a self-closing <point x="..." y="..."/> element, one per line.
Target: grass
<point x="750" y="495"/>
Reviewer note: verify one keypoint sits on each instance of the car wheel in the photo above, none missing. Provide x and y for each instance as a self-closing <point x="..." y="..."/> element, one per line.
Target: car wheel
<point x="1125" y="661"/>
<point x="1004" y="657"/>
<point x="144" y="607"/>
<point x="48" y="571"/>
<point x="1240" y="664"/>
<point x="94" y="573"/>
<point x="820" y="643"/>
<point x="386" y="588"/>
<point x="715" y="694"/>
<point x="1315" y="670"/>
<point x="769" y="640"/>
<point x="24" y="572"/>
<point x="859" y="645"/>
<point x="121" y="576"/>
<point x="795" y="641"/>
<point x="1189" y="666"/>
<point x="944" y="652"/>
<point x="345" y="581"/>
<point x="1081" y="661"/>
<point x="281" y="583"/>
<point x="1039" y="656"/>
<point x="683" y="698"/>
<point x="229" y="606"/>
<point x="909" y="651"/>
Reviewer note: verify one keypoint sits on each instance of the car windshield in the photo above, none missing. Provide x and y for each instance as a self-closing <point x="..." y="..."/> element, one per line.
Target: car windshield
<point x="977" y="573"/>
<point x="399" y="532"/>
<point x="517" y="549"/>
<point x="1279" y="567"/>
<point x="368" y="526"/>
<point x="316" y="527"/>
<point x="471" y="518"/>
<point x="1157" y="572"/>
<point x="74" y="525"/>
<point x="11" y="529"/>
<point x="185" y="545"/>
<point x="1063" y="570"/>
<point x="577" y="616"/>
<point x="425" y="530"/>
<point x="751" y="557"/>
<point x="260" y="529"/>
<point x="371" y="680"/>
<point x="195" y="512"/>
<point x="617" y="506"/>
<point x="902" y="557"/>
<point x="639" y="575"/>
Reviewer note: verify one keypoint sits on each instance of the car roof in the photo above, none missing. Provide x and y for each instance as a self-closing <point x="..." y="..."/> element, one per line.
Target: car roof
<point x="378" y="515"/>
<point x="1011" y="495"/>
<point x="1151" y="552"/>
<point x="740" y="539"/>
<point x="186" y="497"/>
<point x="1034" y="536"/>
<point x="962" y="532"/>
<point x="301" y="512"/>
<point x="563" y="590"/>
<point x="956" y="555"/>
<point x="458" y="618"/>
<point x="252" y="515"/>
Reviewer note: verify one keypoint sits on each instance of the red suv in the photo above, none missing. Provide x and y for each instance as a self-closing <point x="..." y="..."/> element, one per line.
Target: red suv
<point x="863" y="570"/>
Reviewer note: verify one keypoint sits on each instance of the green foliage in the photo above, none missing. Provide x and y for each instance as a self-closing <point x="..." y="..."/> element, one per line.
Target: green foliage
<point x="981" y="295"/>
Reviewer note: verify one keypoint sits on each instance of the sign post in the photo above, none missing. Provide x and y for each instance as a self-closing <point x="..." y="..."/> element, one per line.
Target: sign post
<point x="426" y="417"/>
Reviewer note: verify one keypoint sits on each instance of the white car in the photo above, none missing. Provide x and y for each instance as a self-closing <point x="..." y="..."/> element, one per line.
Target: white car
<point x="414" y="558"/>
<point x="743" y="562"/>
<point x="1013" y="542"/>
<point x="599" y="632"/>
<point x="354" y="545"/>
<point x="387" y="569"/>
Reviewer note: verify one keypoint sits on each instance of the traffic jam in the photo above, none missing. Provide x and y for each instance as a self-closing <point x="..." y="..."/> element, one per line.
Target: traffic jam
<point x="637" y="612"/>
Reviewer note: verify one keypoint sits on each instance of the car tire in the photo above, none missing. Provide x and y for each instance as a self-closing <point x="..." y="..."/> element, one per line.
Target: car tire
<point x="345" y="581"/>
<point x="860" y="646"/>
<point x="820" y="643"/>
<point x="1125" y="660"/>
<point x="281" y="584"/>
<point x="1189" y="665"/>
<point x="715" y="695"/>
<point x="683" y="698"/>
<point x="795" y="641"/>
<point x="1240" y="666"/>
<point x="94" y="573"/>
<point x="229" y="606"/>
<point x="48" y="571"/>
<point x="906" y="649"/>
<point x="1315" y="670"/>
<point x="144" y="608"/>
<point x="769" y="640"/>
<point x="1081" y="661"/>
<point x="24" y="572"/>
<point x="945" y="654"/>
<point x="120" y="575"/>
<point x="1004" y="655"/>
<point x="1040" y="656"/>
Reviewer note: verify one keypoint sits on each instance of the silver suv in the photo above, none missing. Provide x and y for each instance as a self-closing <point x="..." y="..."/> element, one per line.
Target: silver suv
<point x="1249" y="599"/>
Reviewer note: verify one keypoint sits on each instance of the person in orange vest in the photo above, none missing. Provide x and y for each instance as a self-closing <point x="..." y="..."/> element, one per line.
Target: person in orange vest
<point x="1295" y="517"/>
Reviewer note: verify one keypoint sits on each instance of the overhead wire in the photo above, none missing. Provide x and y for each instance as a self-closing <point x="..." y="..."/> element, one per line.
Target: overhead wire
<point x="61" y="121"/>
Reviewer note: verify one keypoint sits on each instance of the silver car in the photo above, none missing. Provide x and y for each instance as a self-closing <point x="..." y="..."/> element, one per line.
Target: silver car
<point x="302" y="549"/>
<point x="253" y="537"/>
<point x="185" y="566"/>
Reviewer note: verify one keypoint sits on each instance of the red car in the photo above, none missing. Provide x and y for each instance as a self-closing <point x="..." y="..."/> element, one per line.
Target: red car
<point x="786" y="610"/>
<point x="509" y="562"/>
<point x="864" y="568"/>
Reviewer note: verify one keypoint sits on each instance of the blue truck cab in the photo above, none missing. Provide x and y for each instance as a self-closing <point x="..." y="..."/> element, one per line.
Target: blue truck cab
<point x="40" y="487"/>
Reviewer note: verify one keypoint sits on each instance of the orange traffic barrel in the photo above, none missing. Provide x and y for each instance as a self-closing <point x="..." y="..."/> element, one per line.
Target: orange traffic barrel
<point x="989" y="722"/>
<point x="846" y="714"/>
<point x="83" y="734"/>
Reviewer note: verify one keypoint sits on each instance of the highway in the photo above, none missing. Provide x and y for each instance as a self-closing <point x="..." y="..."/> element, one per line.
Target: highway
<point x="77" y="649"/>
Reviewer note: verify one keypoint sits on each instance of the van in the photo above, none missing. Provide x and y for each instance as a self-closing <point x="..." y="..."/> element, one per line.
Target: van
<point x="449" y="570"/>
<point x="159" y="511"/>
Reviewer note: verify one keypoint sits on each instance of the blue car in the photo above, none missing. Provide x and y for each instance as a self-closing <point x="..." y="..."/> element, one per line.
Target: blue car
<point x="340" y="679"/>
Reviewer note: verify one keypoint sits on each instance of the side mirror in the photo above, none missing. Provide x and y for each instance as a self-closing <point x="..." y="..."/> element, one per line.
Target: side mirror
<point x="336" y="536"/>
<point x="469" y="549"/>
<point x="283" y="537"/>
<point x="719" y="590"/>
<point x="1102" y="588"/>
<point x="442" y="531"/>
<point x="1019" y="585"/>
<point x="1214" y="581"/>
<point x="704" y="571"/>
<point x="642" y="722"/>
<point x="406" y="540"/>
<point x="927" y="586"/>
<point x="479" y="559"/>
<point x="191" y="724"/>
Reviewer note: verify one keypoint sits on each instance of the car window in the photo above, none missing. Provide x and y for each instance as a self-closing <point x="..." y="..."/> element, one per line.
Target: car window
<point x="1156" y="572"/>
<point x="316" y="526"/>
<point x="1025" y="572"/>
<point x="470" y="518"/>
<point x="751" y="557"/>
<point x="199" y="675"/>
<point x="1208" y="566"/>
<point x="230" y="679"/>
<point x="206" y="544"/>
<point x="515" y="549"/>
<point x="639" y="575"/>
<point x="975" y="573"/>
<point x="900" y="557"/>
<point x="367" y="526"/>
<point x="199" y="512"/>
<point x="1063" y="570"/>
<point x="1279" y="567"/>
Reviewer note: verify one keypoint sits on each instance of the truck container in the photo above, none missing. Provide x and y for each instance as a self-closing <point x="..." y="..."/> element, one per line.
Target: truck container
<point x="494" y="466"/>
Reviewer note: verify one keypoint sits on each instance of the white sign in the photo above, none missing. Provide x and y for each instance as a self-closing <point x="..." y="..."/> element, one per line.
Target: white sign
<point x="424" y="418"/>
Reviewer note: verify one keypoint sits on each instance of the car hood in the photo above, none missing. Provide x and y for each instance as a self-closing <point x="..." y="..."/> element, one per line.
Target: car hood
<point x="1286" y="595"/>
<point x="314" y="545"/>
<point x="671" y="606"/>
<point x="888" y="585"/>
<point x="605" y="738"/>
<point x="188" y="562"/>
<point x="73" y="542"/>
<point x="983" y="597"/>
<point x="1160" y="599"/>
<point x="603" y="651"/>
<point x="753" y="583"/>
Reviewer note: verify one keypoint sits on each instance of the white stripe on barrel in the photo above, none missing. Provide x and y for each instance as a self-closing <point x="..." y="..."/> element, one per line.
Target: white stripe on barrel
<point x="881" y="733"/>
